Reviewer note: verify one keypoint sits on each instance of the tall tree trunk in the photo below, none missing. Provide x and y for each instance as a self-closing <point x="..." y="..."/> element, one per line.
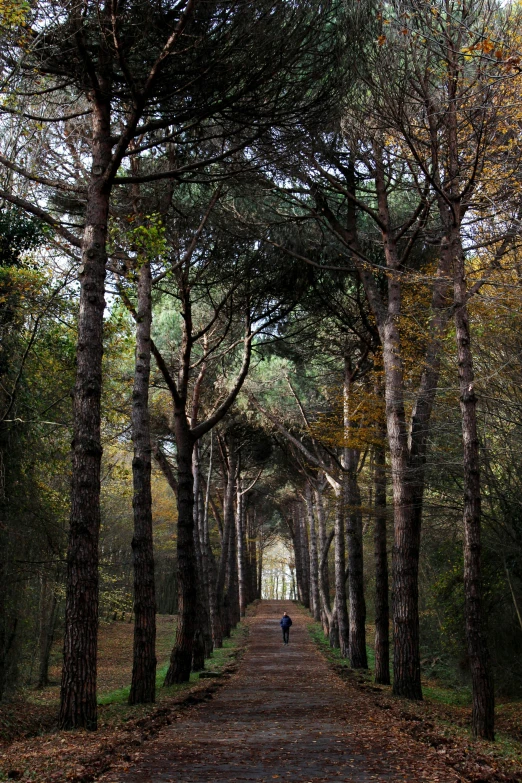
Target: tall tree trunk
<point x="406" y="468"/>
<point x="209" y="563"/>
<point x="232" y="577"/>
<point x="48" y="614"/>
<point x="325" y="596"/>
<point x="305" y="554"/>
<point x="405" y="563"/>
<point x="78" y="707"/>
<point x="358" y="658"/>
<point x="324" y="581"/>
<point x="483" y="714"/>
<point x="382" y="612"/>
<point x="241" y="549"/>
<point x="295" y="532"/>
<point x="181" y="656"/>
<point x="143" y="684"/>
<point x="406" y="547"/>
<point x="202" y="637"/>
<point x="222" y="584"/>
<point x="343" y="626"/>
<point x="232" y="571"/>
<point x="252" y="555"/>
<point x="260" y="570"/>
<point x="3" y="606"/>
<point x="314" y="563"/>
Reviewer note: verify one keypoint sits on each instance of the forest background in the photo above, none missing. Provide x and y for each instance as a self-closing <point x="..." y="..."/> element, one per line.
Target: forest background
<point x="271" y="251"/>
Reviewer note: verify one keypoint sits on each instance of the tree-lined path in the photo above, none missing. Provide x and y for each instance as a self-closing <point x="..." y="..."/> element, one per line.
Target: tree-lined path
<point x="284" y="715"/>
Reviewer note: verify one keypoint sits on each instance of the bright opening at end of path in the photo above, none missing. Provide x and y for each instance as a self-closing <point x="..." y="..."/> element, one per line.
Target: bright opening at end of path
<point x="278" y="576"/>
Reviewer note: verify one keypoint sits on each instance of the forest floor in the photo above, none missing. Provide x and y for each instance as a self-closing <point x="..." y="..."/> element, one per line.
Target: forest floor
<point x="32" y="748"/>
<point x="292" y="713"/>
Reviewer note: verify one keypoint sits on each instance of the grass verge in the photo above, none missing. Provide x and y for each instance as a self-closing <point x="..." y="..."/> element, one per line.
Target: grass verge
<point x="79" y="756"/>
<point x="441" y="721"/>
<point x="219" y="660"/>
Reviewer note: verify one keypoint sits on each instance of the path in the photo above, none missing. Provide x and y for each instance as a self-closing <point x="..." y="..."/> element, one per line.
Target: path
<point x="285" y="715"/>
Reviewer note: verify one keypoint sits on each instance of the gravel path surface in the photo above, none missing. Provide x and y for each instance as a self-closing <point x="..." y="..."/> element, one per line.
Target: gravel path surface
<point x="285" y="715"/>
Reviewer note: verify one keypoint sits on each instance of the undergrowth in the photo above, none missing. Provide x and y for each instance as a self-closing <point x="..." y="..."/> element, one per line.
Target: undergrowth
<point x="30" y="717"/>
<point x="447" y="706"/>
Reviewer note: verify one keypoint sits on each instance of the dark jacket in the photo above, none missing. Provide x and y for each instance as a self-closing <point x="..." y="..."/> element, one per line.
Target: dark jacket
<point x="286" y="622"/>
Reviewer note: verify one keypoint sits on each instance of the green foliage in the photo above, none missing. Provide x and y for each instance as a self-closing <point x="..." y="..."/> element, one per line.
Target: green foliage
<point x="143" y="237"/>
<point x="19" y="234"/>
<point x="148" y="238"/>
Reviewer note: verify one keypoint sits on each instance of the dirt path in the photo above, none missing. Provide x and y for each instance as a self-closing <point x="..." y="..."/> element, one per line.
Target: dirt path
<point x="284" y="715"/>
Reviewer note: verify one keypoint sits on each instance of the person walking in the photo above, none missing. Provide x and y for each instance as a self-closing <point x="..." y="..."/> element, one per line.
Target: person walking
<point x="286" y="622"/>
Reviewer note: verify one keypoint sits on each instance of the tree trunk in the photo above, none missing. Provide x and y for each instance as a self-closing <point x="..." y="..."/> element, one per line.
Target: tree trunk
<point x="382" y="612"/>
<point x="232" y="576"/>
<point x="296" y="541"/>
<point x="343" y="628"/>
<point x="3" y="610"/>
<point x="209" y="565"/>
<point x="78" y="707"/>
<point x="241" y="550"/>
<point x="48" y="614"/>
<point x="199" y="649"/>
<point x="143" y="684"/>
<point x="324" y="582"/>
<point x="202" y="632"/>
<point x="483" y="714"/>
<point x="232" y="584"/>
<point x="304" y="555"/>
<point x="407" y="468"/>
<point x="406" y="547"/>
<point x="358" y="657"/>
<point x="252" y="556"/>
<point x="181" y="656"/>
<point x="223" y="570"/>
<point x="314" y="564"/>
<point x="260" y="571"/>
<point x="325" y="597"/>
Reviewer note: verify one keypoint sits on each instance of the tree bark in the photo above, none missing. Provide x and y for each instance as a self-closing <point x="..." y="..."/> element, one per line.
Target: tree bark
<point x="209" y="563"/>
<point x="343" y="626"/>
<point x="295" y="532"/>
<point x="260" y="571"/>
<point x="324" y="581"/>
<point x="358" y="657"/>
<point x="223" y="579"/>
<point x="252" y="558"/>
<point x="241" y="549"/>
<point x="304" y="555"/>
<point x="325" y="596"/>
<point x="232" y="589"/>
<point x="48" y="614"/>
<point x="181" y="657"/>
<point x="382" y="611"/>
<point x="202" y="637"/>
<point x="406" y="680"/>
<point x="143" y="684"/>
<point x="483" y="713"/>
<point x="78" y="707"/>
<point x="232" y="583"/>
<point x="314" y="564"/>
